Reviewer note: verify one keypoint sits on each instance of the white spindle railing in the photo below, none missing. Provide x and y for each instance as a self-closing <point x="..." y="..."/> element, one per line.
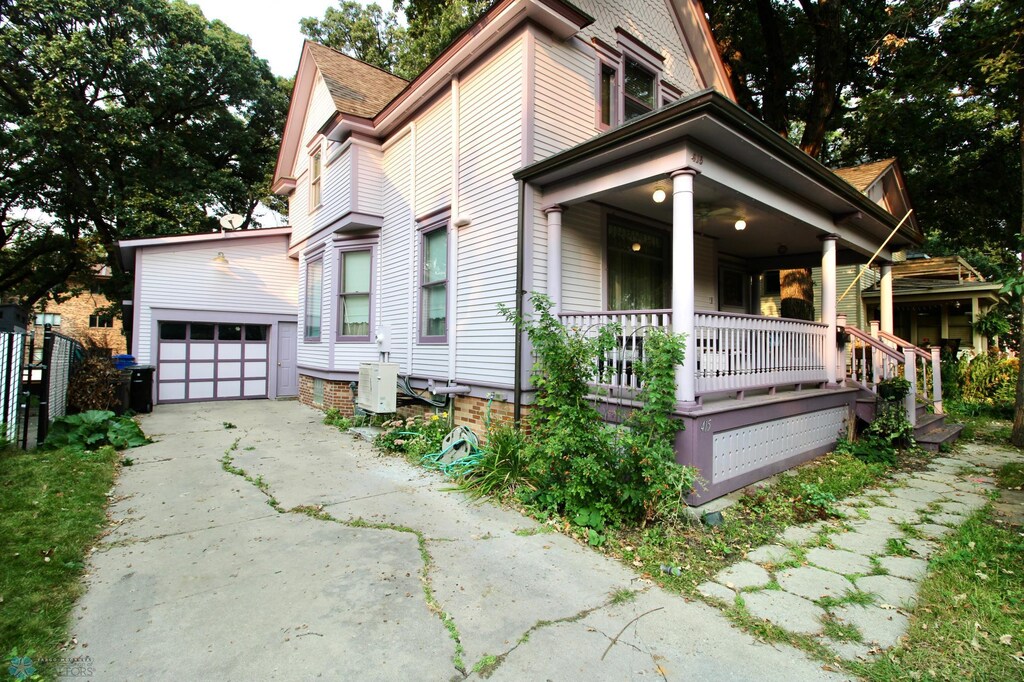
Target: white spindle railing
<point x="616" y="374"/>
<point x="928" y="370"/>
<point x="740" y="352"/>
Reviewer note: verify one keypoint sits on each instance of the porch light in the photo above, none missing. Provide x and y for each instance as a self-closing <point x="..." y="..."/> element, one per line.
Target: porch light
<point x="658" y="196"/>
<point x="741" y="224"/>
<point x="635" y="246"/>
<point x="220" y="258"/>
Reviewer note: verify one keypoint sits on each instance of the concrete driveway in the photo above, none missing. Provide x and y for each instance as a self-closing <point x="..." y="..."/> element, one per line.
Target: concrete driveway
<point x="202" y="579"/>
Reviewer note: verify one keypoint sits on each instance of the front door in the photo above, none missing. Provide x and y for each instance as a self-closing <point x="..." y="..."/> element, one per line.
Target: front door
<point x="287" y="370"/>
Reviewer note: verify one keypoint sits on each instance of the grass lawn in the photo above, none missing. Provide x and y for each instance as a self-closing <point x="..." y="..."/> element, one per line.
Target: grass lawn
<point x="969" y="624"/>
<point x="52" y="509"/>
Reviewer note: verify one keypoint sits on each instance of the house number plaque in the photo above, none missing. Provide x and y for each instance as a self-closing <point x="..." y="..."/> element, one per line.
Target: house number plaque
<point x="705" y="425"/>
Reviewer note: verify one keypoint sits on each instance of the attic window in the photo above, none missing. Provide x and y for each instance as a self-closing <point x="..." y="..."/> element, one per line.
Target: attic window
<point x="315" y="171"/>
<point x="638" y="90"/>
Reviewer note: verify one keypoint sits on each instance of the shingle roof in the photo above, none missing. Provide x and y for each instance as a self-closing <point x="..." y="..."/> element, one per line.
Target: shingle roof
<point x="356" y="87"/>
<point x="863" y="175"/>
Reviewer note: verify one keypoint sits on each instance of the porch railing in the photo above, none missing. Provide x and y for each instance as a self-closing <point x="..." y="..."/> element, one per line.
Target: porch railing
<point x="868" y="359"/>
<point x="741" y="352"/>
<point x="616" y="374"/>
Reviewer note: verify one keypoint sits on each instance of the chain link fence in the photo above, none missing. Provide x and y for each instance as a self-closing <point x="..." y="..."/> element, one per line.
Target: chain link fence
<point x="12" y="359"/>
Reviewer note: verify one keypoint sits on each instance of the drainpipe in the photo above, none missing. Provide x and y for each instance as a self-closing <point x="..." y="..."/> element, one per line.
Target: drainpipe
<point x="453" y="246"/>
<point x="517" y="391"/>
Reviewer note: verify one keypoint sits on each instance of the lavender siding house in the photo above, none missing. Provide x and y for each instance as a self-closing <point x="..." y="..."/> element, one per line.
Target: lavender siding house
<point x="591" y="151"/>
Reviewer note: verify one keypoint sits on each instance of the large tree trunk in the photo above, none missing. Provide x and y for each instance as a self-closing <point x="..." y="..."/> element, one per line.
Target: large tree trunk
<point x="797" y="293"/>
<point x="1017" y="435"/>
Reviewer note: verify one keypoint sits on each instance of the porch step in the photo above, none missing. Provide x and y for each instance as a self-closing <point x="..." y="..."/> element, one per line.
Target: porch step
<point x="934" y="439"/>
<point x="928" y="422"/>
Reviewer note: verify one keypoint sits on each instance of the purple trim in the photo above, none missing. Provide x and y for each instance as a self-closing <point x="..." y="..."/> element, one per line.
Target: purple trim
<point x="601" y="64"/>
<point x="307" y="338"/>
<point x="215" y="361"/>
<point x="337" y="291"/>
<point x="442" y="222"/>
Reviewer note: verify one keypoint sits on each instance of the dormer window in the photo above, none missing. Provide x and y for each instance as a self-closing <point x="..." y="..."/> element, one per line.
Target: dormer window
<point x="638" y="90"/>
<point x="315" y="172"/>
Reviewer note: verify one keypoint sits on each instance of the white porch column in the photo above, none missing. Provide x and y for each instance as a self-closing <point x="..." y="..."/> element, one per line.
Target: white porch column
<point x="554" y="215"/>
<point x="683" y="282"/>
<point x="828" y="303"/>
<point x="885" y="298"/>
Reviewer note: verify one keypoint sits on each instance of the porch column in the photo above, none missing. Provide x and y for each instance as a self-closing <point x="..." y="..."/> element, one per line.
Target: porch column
<point x="683" y="282"/>
<point x="885" y="298"/>
<point x="828" y="304"/>
<point x="554" y="215"/>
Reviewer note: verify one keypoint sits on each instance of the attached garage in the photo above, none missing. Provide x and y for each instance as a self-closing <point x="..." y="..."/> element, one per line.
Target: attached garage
<point x="216" y="314"/>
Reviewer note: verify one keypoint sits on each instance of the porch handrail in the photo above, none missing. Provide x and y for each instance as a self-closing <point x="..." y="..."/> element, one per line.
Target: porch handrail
<point x="615" y="374"/>
<point x="931" y="367"/>
<point x="903" y="343"/>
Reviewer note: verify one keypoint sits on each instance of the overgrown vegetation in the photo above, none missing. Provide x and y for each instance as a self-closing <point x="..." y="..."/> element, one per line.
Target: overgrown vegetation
<point x="415" y="436"/>
<point x="967" y="625"/>
<point x="987" y="384"/>
<point x="51" y="511"/>
<point x="94" y="385"/>
<point x="92" y="430"/>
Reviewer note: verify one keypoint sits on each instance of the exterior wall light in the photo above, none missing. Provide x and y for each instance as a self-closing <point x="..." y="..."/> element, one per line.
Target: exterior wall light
<point x="220" y="258"/>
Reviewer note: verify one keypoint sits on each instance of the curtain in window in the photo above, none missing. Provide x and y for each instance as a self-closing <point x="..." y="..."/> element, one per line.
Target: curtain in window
<point x="314" y="298"/>
<point x="355" y="294"/>
<point x="435" y="286"/>
<point x="637" y="268"/>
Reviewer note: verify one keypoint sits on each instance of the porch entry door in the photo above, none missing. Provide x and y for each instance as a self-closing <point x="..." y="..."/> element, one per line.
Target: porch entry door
<point x="639" y="272"/>
<point x="287" y="369"/>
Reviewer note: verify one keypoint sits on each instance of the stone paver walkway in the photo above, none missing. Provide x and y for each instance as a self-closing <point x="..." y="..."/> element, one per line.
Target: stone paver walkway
<point x="853" y="583"/>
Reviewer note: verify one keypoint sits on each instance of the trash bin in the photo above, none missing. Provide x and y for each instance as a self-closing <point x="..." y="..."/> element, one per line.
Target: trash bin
<point x="122" y="392"/>
<point x="142" y="388"/>
<point x="123" y="361"/>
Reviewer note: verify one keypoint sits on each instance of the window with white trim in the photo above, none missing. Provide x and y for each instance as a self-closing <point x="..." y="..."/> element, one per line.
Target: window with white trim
<point x="355" y="291"/>
<point x="434" y="284"/>
<point x="315" y="177"/>
<point x="314" y="299"/>
<point x="52" y="319"/>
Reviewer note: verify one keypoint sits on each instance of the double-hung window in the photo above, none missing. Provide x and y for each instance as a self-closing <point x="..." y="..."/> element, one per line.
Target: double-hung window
<point x="638" y="89"/>
<point x="629" y="80"/>
<point x="434" y="284"/>
<point x="99" y="320"/>
<point x="354" y="294"/>
<point x="313" y="312"/>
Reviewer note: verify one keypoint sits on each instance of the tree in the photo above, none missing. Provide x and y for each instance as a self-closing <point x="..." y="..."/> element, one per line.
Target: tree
<point x="376" y="37"/>
<point x="120" y="121"/>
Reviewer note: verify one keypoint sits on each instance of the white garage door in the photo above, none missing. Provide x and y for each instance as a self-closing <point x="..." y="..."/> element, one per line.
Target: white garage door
<point x="204" y="361"/>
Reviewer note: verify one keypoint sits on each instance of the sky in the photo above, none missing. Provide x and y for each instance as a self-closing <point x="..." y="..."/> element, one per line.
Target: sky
<point x="272" y="25"/>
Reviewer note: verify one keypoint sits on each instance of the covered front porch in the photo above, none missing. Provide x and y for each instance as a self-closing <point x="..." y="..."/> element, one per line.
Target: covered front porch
<point x="670" y="222"/>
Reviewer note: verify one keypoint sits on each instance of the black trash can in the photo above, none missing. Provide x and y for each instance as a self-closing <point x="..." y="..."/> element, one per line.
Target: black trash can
<point x="142" y="388"/>
<point x="122" y="401"/>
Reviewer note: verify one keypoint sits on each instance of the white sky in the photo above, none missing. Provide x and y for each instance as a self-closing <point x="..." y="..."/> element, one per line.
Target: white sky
<point x="272" y="25"/>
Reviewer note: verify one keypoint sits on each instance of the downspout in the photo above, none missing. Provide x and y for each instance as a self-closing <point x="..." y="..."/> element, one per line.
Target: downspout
<point x="414" y="277"/>
<point x="453" y="257"/>
<point x="517" y="391"/>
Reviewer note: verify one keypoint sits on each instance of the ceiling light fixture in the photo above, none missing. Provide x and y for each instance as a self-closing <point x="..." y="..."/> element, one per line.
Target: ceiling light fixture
<point x="635" y="246"/>
<point x="659" y="195"/>
<point x="741" y="224"/>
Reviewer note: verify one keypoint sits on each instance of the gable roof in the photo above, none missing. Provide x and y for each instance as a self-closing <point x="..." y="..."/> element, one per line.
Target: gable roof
<point x="864" y="175"/>
<point x="356" y="87"/>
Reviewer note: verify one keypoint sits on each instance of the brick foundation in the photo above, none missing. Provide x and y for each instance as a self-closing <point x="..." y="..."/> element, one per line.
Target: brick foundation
<point x="469" y="411"/>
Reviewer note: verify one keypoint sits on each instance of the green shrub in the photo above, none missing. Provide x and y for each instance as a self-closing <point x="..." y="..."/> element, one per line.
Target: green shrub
<point x="414" y="436"/>
<point x="92" y="430"/>
<point x="990" y="380"/>
<point x="502" y="468"/>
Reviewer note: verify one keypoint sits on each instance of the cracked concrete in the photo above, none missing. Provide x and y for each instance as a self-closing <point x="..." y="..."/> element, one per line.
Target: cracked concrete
<point x="378" y="573"/>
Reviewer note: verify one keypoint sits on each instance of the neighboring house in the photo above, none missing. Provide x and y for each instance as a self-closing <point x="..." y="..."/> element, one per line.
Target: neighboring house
<point x="591" y="151"/>
<point x="84" y="317"/>
<point x="936" y="302"/>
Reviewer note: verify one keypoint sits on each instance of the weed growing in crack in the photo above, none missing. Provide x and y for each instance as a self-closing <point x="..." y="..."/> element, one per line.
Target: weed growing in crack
<point x="486" y="665"/>
<point x="897" y="547"/>
<point x="839" y="631"/>
<point x="855" y="597"/>
<point x="542" y="529"/>
<point x="227" y="463"/>
<point x="623" y="596"/>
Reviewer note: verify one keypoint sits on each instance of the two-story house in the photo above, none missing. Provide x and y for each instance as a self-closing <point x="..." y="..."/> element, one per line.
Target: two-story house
<point x="591" y="151"/>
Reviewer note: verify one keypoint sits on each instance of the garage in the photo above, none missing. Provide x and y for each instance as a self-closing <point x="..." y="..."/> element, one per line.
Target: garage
<point x="211" y="361"/>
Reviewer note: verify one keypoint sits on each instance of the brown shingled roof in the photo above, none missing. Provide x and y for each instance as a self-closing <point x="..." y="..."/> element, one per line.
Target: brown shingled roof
<point x="863" y="175"/>
<point x="356" y="87"/>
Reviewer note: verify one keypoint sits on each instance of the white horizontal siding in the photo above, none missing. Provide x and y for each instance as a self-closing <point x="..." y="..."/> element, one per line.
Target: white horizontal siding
<point x="434" y="157"/>
<point x="395" y="267"/>
<point x="258" y="277"/>
<point x="336" y="187"/>
<point x="583" y="258"/>
<point x="369" y="179"/>
<point x="490" y="150"/>
<point x="652" y="23"/>
<point x="321" y="107"/>
<point x="565" y="97"/>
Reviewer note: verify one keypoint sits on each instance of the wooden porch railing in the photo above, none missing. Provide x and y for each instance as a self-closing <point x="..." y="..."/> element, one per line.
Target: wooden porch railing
<point x="616" y="375"/>
<point x="871" y="358"/>
<point x="741" y="352"/>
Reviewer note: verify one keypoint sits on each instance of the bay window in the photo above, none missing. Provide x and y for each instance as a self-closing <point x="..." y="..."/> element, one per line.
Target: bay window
<point x="354" y="295"/>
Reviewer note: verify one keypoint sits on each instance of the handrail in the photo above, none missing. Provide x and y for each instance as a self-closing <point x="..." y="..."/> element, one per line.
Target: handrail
<point x="919" y="352"/>
<point x="874" y="343"/>
<point x="746" y="316"/>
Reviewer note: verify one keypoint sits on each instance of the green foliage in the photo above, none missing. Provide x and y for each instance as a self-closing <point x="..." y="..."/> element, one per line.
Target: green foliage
<point x="990" y="380"/>
<point x="93" y="430"/>
<point x="414" y="436"/>
<point x="378" y="37"/>
<point x="502" y="468"/>
<point x="121" y="120"/>
<point x="593" y="473"/>
<point x="819" y="503"/>
<point x="993" y="323"/>
<point x="893" y="389"/>
<point x="333" y="417"/>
